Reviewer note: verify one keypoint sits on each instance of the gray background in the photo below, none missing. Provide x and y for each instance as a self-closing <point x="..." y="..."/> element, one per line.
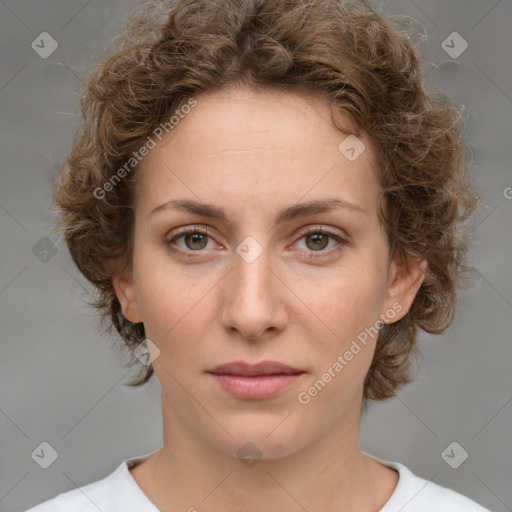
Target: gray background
<point x="62" y="383"/>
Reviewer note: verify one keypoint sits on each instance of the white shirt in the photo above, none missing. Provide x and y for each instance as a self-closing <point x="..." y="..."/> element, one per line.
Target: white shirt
<point x="119" y="492"/>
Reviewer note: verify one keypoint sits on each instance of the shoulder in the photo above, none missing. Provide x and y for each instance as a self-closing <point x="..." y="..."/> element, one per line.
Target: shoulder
<point x="117" y="492"/>
<point x="453" y="499"/>
<point x="88" y="498"/>
<point x="416" y="494"/>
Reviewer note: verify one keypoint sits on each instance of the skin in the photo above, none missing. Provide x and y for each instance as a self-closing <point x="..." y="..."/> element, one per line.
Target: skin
<point x="252" y="154"/>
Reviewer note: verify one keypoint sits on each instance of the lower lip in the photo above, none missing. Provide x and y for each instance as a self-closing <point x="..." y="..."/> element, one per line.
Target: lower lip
<point x="262" y="386"/>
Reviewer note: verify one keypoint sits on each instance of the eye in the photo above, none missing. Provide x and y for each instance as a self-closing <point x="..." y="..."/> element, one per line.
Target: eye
<point x="195" y="239"/>
<point x="316" y="239"/>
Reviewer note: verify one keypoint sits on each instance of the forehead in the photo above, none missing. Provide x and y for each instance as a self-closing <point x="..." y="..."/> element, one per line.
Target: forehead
<point x="240" y="144"/>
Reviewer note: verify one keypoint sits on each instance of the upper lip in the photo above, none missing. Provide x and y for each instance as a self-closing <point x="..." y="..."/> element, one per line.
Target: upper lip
<point x="246" y="369"/>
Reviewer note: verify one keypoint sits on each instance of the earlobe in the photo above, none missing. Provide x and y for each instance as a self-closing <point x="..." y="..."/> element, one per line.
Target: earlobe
<point x="404" y="283"/>
<point x="127" y="296"/>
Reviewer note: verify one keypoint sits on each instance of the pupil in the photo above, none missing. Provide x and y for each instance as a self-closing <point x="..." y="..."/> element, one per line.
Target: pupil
<point x="197" y="238"/>
<point x="319" y="237"/>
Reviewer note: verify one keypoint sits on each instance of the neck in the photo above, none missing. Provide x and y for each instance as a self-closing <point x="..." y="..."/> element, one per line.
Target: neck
<point x="190" y="473"/>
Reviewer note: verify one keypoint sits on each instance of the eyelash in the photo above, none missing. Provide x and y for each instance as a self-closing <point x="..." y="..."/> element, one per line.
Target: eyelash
<point x="309" y="230"/>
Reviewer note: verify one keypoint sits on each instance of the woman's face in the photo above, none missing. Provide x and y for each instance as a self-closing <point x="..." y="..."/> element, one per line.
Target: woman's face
<point x="258" y="287"/>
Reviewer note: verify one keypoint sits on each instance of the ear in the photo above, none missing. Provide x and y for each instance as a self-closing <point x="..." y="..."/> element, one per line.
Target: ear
<point x="404" y="281"/>
<point x="126" y="294"/>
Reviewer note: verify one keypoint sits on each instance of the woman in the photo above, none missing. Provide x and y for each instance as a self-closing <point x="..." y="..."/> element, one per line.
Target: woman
<point x="268" y="202"/>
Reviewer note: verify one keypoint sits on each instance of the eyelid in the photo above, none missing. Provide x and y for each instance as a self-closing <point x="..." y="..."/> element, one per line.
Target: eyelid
<point x="318" y="228"/>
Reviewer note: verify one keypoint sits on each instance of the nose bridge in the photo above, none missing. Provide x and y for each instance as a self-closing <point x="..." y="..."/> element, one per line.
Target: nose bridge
<point x="251" y="305"/>
<point x="251" y="277"/>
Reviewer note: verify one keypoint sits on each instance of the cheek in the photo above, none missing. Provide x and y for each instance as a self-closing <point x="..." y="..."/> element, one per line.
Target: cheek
<point x="175" y="307"/>
<point x="350" y="309"/>
<point x="347" y="301"/>
<point x="168" y="308"/>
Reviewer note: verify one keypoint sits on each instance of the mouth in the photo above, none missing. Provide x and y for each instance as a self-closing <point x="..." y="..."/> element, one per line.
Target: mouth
<point x="258" y="381"/>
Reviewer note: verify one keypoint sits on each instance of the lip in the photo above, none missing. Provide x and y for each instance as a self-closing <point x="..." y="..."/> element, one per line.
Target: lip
<point x="251" y="370"/>
<point x="257" y="381"/>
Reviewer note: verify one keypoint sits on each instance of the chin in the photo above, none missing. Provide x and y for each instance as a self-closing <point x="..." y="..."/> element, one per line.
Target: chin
<point x="260" y="438"/>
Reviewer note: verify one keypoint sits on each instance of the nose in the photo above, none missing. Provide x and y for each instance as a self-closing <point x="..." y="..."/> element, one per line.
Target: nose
<point x="253" y="296"/>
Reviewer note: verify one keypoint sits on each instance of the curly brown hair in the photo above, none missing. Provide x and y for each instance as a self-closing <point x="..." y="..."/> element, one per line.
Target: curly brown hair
<point x="345" y="51"/>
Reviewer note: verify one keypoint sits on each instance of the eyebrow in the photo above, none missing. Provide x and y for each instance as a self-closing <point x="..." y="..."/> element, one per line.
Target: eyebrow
<point x="284" y="215"/>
